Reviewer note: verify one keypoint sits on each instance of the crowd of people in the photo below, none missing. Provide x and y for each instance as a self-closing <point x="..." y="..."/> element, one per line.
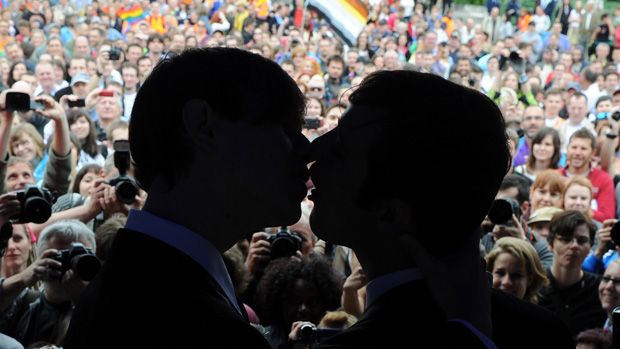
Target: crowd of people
<point x="553" y="71"/>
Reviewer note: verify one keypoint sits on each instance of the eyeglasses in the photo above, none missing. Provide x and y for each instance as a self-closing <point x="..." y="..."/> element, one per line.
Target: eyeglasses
<point x="315" y="88"/>
<point x="607" y="278"/>
<point x="581" y="240"/>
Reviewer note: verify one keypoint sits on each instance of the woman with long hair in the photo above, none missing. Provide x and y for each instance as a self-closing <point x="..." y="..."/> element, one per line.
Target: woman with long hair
<point x="544" y="153"/>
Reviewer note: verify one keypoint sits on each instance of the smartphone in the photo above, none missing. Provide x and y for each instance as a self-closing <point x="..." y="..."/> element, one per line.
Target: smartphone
<point x="80" y="103"/>
<point x="106" y="93"/>
<point x="311" y="122"/>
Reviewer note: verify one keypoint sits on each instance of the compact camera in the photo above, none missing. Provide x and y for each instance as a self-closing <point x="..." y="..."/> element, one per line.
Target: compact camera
<point x="36" y="205"/>
<point x="311" y="123"/>
<point x="80" y="259"/>
<point x="126" y="188"/>
<point x="284" y="243"/>
<point x="20" y="101"/>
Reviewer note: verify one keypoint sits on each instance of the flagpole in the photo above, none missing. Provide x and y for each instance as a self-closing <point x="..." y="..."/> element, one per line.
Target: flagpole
<point x="303" y="19"/>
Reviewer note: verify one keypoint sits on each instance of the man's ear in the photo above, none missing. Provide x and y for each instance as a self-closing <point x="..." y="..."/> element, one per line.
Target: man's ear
<point x="396" y="214"/>
<point x="199" y="120"/>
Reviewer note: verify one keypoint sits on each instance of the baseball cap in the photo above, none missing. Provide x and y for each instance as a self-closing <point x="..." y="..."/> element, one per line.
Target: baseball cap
<point x="573" y="85"/>
<point x="543" y="214"/>
<point x="80" y="77"/>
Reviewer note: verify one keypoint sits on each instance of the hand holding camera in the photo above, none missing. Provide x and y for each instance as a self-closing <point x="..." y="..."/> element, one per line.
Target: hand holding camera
<point x="258" y="252"/>
<point x="605" y="237"/>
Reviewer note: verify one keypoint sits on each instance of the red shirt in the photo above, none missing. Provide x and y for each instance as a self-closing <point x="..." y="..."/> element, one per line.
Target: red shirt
<point x="603" y="193"/>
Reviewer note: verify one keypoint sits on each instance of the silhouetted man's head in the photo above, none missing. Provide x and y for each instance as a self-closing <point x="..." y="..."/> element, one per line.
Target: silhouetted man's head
<point x="437" y="147"/>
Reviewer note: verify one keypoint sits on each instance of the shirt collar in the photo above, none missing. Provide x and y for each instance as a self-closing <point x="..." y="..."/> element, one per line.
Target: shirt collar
<point x="192" y="244"/>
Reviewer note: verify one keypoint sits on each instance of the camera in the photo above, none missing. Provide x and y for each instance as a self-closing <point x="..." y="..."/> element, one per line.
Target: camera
<point x="502" y="210"/>
<point x="310" y="334"/>
<point x="80" y="103"/>
<point x="284" y="243"/>
<point x="35" y="204"/>
<point x="20" y="101"/>
<point x="311" y="122"/>
<point x="80" y="259"/>
<point x="615" y="237"/>
<point x="114" y="54"/>
<point x="126" y="187"/>
<point x="616" y="115"/>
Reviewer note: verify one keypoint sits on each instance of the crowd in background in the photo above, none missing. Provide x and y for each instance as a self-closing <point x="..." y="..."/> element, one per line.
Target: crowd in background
<point x="553" y="71"/>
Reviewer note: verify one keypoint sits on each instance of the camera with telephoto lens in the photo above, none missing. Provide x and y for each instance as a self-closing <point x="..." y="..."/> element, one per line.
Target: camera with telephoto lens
<point x="114" y="54"/>
<point x="126" y="187"/>
<point x="502" y="210"/>
<point x="35" y="203"/>
<point x="284" y="243"/>
<point x="80" y="259"/>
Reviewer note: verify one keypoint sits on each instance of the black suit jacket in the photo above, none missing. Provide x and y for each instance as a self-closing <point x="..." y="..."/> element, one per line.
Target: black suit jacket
<point x="408" y="314"/>
<point x="405" y="317"/>
<point x="518" y="324"/>
<point x="150" y="295"/>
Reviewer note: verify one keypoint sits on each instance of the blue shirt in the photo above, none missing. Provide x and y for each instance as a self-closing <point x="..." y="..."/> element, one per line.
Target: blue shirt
<point x="192" y="244"/>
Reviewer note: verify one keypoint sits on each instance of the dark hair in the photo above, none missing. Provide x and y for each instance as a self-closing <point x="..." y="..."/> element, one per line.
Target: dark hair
<point x="597" y="337"/>
<point x="335" y="58"/>
<point x="520" y="182"/>
<point x="130" y="65"/>
<point x="88" y="168"/>
<point x="602" y="99"/>
<point x="88" y="144"/>
<point x="584" y="133"/>
<point x="279" y="281"/>
<point x="565" y="223"/>
<point x="242" y="86"/>
<point x="10" y="79"/>
<point x="469" y="112"/>
<point x="538" y="138"/>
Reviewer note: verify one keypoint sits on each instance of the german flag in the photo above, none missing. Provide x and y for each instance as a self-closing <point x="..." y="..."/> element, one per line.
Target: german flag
<point x="347" y="17"/>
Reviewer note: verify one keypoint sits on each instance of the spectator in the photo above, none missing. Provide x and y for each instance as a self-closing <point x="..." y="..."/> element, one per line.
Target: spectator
<point x="544" y="152"/>
<point x="516" y="268"/>
<point x="580" y="149"/>
<point x="47" y="318"/>
<point x="572" y="293"/>
<point x="296" y="290"/>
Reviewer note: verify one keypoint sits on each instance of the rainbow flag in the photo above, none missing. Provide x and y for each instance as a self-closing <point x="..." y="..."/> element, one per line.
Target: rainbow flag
<point x="347" y="17"/>
<point x="131" y="16"/>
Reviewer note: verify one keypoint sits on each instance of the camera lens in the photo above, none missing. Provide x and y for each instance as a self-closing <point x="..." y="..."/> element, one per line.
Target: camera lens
<point x="37" y="209"/>
<point x="86" y="266"/>
<point x="126" y="192"/>
<point x="283" y="247"/>
<point x="501" y="212"/>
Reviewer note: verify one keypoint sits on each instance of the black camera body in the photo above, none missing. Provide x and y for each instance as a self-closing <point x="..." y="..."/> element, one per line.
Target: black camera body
<point x="80" y="259"/>
<point x="284" y="243"/>
<point x="125" y="186"/>
<point x="35" y="203"/>
<point x="311" y="123"/>
<point x="20" y="101"/>
<point x="114" y="54"/>
<point x="502" y="210"/>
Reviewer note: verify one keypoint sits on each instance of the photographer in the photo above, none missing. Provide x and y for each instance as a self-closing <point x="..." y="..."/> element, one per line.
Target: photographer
<point x="604" y="253"/>
<point x="47" y="317"/>
<point x="260" y="253"/>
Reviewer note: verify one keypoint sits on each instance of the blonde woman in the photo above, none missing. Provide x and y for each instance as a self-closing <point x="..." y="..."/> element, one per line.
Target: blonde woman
<point x="516" y="268"/>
